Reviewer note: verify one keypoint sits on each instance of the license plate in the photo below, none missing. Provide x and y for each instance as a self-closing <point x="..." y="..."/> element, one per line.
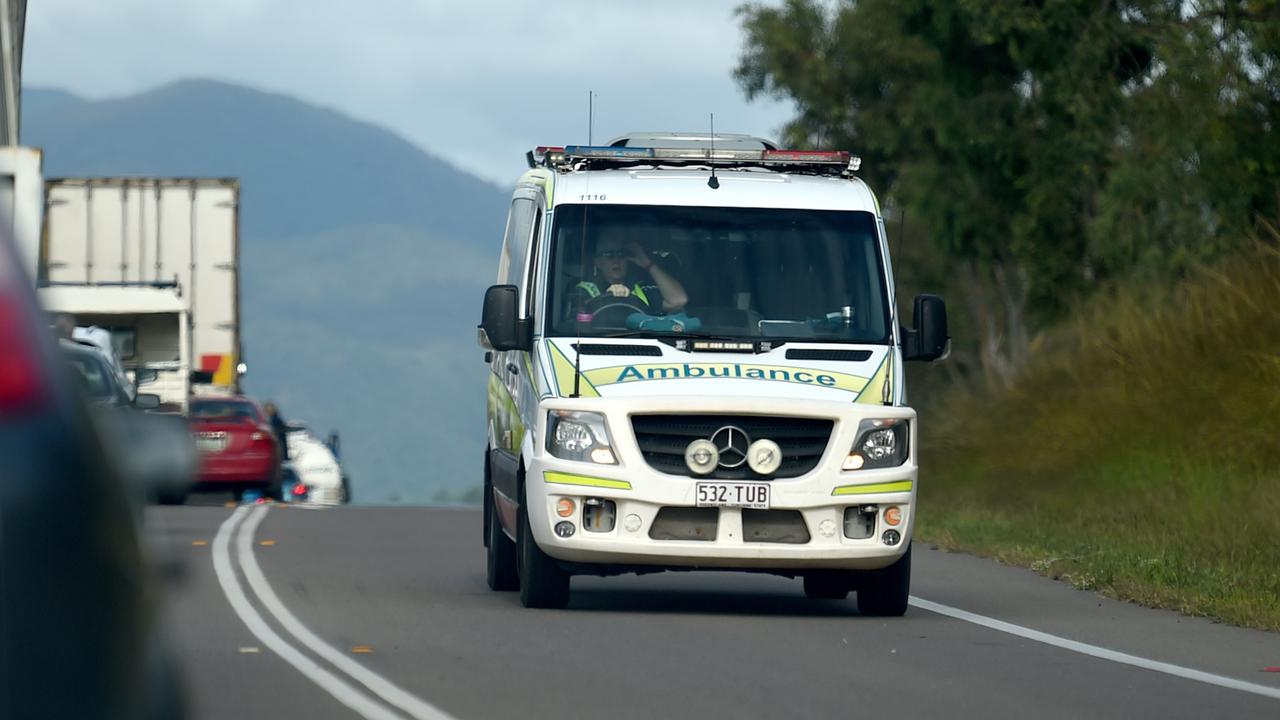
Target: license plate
<point x="210" y="444"/>
<point x="732" y="494"/>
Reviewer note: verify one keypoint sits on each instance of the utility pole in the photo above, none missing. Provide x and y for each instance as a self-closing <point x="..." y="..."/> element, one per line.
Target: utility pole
<point x="21" y="168"/>
<point x="13" y="16"/>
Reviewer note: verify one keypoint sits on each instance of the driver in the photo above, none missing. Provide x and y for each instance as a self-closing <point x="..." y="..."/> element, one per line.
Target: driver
<point x="648" y="287"/>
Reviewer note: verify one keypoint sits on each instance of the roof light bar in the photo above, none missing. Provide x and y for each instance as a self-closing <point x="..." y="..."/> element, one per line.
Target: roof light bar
<point x="568" y="157"/>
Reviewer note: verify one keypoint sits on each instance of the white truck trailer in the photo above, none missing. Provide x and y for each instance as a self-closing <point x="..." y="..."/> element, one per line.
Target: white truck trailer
<point x="21" y="199"/>
<point x="156" y="262"/>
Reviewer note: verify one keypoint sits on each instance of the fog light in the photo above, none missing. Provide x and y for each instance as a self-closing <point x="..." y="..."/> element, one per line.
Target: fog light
<point x="632" y="523"/>
<point x="827" y="528"/>
<point x="565" y="529"/>
<point x="599" y="515"/>
<point x="701" y="456"/>
<point x="852" y="462"/>
<point x="860" y="522"/>
<point x="602" y="456"/>
<point x="890" y="537"/>
<point x="764" y="457"/>
<point x="565" y="507"/>
<point x="893" y="516"/>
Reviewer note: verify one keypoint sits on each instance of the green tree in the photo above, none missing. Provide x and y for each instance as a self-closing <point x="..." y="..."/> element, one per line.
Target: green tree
<point x="1195" y="167"/>
<point x="1034" y="141"/>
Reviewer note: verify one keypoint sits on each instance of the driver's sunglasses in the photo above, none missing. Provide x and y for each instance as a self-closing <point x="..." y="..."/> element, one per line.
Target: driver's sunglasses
<point x="614" y="253"/>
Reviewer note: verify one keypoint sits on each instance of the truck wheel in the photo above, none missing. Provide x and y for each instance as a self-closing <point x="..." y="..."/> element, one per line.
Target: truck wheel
<point x="543" y="584"/>
<point x="501" y="554"/>
<point x="885" y="593"/>
<point x="826" y="585"/>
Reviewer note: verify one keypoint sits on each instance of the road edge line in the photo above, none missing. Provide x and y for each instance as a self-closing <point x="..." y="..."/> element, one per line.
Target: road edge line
<point x="342" y="691"/>
<point x="379" y="685"/>
<point x="1116" y="656"/>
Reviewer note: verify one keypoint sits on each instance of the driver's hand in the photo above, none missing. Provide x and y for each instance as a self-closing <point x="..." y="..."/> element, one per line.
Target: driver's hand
<point x="619" y="290"/>
<point x="639" y="256"/>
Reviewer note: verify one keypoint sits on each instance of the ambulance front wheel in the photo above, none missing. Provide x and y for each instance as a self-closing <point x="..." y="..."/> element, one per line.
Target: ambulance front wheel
<point x="543" y="584"/>
<point x="886" y="592"/>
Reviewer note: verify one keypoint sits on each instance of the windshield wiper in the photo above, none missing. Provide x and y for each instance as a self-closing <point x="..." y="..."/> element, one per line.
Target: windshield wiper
<point x="658" y="334"/>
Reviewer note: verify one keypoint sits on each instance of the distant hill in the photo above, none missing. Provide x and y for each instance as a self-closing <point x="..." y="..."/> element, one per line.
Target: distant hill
<point x="364" y="259"/>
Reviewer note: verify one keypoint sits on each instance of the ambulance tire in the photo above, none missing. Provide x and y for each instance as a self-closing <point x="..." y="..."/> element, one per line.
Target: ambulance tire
<point x="543" y="583"/>
<point x="826" y="585"/>
<point x="501" y="552"/>
<point x="885" y="593"/>
<point x="488" y="500"/>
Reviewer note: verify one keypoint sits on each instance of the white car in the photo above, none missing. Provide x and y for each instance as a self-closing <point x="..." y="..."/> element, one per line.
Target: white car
<point x="316" y="467"/>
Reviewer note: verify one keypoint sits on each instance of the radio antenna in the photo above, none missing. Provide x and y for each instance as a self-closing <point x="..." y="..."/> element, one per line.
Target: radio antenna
<point x="714" y="182"/>
<point x="591" y="116"/>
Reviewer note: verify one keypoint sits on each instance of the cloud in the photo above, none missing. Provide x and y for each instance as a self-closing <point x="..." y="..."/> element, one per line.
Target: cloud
<point x="475" y="83"/>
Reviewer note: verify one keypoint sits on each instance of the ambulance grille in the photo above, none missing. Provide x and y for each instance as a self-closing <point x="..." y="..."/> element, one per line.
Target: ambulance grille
<point x="685" y="523"/>
<point x="774" y="526"/>
<point x="663" y="439"/>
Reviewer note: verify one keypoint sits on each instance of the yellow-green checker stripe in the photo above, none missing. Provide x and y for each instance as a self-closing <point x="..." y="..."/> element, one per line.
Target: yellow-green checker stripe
<point x="567" y="479"/>
<point x="889" y="487"/>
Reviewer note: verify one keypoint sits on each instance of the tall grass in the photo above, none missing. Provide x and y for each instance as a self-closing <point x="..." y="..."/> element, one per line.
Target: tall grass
<point x="1139" y="456"/>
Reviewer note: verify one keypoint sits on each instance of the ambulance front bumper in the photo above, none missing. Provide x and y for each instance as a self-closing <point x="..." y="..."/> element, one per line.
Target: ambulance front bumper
<point x="656" y="521"/>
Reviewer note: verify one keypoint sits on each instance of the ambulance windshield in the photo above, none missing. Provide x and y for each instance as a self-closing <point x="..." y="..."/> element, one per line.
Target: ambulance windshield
<point x="802" y="275"/>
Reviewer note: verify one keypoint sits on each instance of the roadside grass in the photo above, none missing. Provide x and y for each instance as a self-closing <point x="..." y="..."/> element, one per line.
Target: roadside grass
<point x="1140" y="455"/>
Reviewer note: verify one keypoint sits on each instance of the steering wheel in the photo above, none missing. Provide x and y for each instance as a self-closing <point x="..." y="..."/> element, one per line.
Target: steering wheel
<point x="614" y="311"/>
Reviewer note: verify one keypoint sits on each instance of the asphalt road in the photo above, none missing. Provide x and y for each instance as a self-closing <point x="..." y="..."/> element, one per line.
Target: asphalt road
<point x="288" y="612"/>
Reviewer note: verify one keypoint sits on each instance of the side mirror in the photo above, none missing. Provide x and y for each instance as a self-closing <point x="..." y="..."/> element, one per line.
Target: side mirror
<point x="499" y="323"/>
<point x="142" y="376"/>
<point x="928" y="340"/>
<point x="146" y="401"/>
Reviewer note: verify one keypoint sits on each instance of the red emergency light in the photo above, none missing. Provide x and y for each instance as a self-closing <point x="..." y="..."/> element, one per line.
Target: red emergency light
<point x="808" y="156"/>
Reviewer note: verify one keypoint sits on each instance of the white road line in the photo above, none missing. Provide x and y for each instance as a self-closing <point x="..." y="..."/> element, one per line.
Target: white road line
<point x="411" y="704"/>
<point x="344" y="692"/>
<point x="1095" y="651"/>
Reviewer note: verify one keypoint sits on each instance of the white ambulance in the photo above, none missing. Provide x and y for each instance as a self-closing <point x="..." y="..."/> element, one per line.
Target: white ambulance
<point x="696" y="363"/>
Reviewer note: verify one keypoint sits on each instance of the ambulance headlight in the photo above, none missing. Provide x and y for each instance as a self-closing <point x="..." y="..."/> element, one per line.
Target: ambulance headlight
<point x="580" y="436"/>
<point x="880" y="444"/>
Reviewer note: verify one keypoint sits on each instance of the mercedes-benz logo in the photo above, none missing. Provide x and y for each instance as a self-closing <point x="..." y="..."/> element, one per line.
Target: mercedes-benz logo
<point x="732" y="443"/>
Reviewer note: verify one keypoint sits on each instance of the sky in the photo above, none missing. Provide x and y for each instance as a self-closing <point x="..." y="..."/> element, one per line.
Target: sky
<point x="476" y="83"/>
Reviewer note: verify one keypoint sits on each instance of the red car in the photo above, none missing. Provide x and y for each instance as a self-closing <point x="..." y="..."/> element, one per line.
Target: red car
<point x="238" y="450"/>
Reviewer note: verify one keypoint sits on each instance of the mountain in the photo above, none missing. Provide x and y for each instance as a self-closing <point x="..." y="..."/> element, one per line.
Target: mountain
<point x="363" y="262"/>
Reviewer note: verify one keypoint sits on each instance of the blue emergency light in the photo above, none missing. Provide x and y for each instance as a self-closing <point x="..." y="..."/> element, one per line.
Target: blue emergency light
<point x="606" y="151"/>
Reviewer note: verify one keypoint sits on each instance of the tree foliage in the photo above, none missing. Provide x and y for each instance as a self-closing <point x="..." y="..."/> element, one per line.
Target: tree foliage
<point x="1047" y="147"/>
